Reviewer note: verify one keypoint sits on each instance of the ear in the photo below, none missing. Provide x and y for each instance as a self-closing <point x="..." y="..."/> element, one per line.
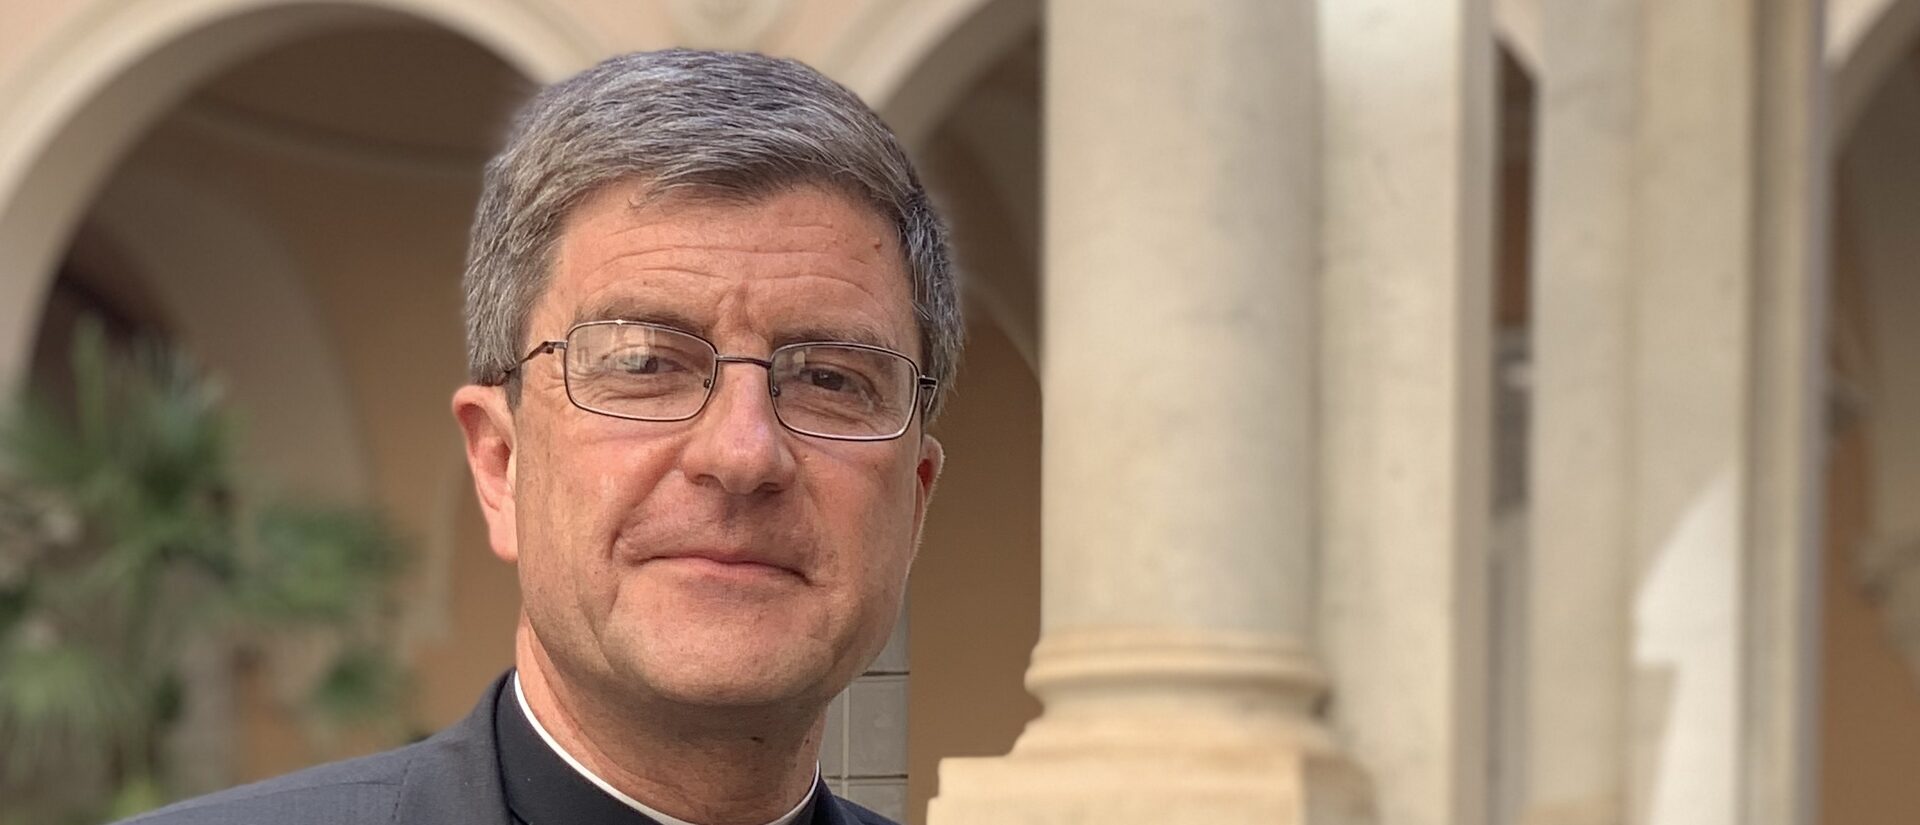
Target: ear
<point x="487" y="425"/>
<point x="925" y="474"/>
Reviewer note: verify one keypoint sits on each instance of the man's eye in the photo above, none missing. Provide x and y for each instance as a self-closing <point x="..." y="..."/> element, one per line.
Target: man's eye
<point x="644" y="363"/>
<point x="825" y="379"/>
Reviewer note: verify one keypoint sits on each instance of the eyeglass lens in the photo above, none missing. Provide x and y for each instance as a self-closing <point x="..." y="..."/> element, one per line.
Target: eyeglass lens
<point x="658" y="374"/>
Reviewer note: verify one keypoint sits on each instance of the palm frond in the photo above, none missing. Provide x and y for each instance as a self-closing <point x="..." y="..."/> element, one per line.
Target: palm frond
<point x="309" y="565"/>
<point x="122" y="535"/>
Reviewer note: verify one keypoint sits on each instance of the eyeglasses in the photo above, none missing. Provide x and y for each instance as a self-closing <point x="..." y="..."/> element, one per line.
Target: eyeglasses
<point x="826" y="389"/>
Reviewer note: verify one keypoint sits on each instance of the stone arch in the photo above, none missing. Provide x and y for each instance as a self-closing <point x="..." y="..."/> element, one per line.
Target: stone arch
<point x="913" y="61"/>
<point x="1871" y="615"/>
<point x="80" y="109"/>
<point x="921" y="66"/>
<point x="1875" y="175"/>
<point x="239" y="284"/>
<point x="1516" y="26"/>
<point x="1865" y="41"/>
<point x="101" y="82"/>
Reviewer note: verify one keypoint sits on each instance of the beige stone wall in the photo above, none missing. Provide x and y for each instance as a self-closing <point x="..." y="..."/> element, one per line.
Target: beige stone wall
<point x="1871" y="726"/>
<point x="974" y="605"/>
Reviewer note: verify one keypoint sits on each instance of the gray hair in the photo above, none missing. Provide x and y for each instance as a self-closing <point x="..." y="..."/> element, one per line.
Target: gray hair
<point x="723" y="125"/>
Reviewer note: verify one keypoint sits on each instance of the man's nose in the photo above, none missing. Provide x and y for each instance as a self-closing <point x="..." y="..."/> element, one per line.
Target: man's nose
<point x="737" y="444"/>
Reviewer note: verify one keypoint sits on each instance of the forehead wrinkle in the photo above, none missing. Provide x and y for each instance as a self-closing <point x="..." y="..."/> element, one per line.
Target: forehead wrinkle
<point x="832" y="269"/>
<point x="695" y="250"/>
<point x="709" y="312"/>
<point x="635" y="260"/>
<point x="735" y="233"/>
<point x="618" y="282"/>
<point x="764" y="227"/>
<point x="711" y="255"/>
<point x="862" y="326"/>
<point x="619" y="310"/>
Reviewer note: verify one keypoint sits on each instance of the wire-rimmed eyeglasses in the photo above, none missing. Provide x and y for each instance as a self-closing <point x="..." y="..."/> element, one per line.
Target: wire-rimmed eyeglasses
<point x="827" y="389"/>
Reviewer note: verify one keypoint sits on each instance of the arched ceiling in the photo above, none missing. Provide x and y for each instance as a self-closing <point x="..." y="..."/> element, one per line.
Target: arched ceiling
<point x="390" y="88"/>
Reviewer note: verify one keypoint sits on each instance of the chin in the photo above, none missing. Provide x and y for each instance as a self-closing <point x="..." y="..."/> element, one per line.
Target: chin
<point x="733" y="681"/>
<point x="717" y="650"/>
<point x="723" y="669"/>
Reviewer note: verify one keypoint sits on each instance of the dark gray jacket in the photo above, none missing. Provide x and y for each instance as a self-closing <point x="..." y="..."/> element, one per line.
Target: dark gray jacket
<point x="452" y="778"/>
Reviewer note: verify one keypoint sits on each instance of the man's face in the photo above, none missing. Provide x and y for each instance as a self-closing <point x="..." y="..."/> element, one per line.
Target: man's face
<point x="722" y="560"/>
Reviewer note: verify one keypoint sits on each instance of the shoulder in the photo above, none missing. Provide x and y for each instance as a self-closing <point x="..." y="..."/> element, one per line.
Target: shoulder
<point x="364" y="790"/>
<point x="452" y="776"/>
<point x="854" y="814"/>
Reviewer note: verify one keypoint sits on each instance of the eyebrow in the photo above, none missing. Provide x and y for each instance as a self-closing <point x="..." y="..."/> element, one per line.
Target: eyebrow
<point x="853" y="333"/>
<point x="848" y="331"/>
<point x="626" y="310"/>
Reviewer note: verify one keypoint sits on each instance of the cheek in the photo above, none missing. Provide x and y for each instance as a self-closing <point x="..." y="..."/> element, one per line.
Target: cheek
<point x="874" y="511"/>
<point x="575" y="497"/>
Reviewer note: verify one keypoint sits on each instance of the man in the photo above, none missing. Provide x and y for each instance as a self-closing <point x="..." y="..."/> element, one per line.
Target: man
<point x="709" y="316"/>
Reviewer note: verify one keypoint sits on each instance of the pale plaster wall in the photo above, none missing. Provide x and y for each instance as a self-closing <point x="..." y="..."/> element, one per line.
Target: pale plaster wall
<point x="983" y="168"/>
<point x="1864" y="40"/>
<point x="22" y="25"/>
<point x="1879" y="174"/>
<point x="974" y="611"/>
<point x="1870" y="709"/>
<point x="974" y="603"/>
<point x="240" y="303"/>
<point x="1871" y="668"/>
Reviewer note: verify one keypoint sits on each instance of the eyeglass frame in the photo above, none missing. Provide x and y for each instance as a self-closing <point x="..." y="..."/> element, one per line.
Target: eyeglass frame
<point x="925" y="385"/>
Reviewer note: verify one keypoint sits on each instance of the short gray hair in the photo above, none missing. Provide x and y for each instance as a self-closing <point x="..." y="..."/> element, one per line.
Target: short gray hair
<point x="729" y="125"/>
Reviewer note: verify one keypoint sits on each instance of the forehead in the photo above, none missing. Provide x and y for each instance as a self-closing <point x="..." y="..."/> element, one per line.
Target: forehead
<point x="805" y="263"/>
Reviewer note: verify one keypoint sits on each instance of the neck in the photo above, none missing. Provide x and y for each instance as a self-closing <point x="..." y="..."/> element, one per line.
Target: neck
<point x="707" y="765"/>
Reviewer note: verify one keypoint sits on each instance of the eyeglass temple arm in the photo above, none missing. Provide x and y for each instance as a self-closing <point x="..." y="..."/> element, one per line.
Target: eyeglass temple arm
<point x="544" y="348"/>
<point x="931" y="386"/>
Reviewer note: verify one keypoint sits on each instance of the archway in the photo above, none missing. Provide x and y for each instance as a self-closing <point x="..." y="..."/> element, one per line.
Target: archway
<point x="1870" y="668"/>
<point x="288" y="185"/>
<point x="1865" y="41"/>
<point x="94" y="91"/>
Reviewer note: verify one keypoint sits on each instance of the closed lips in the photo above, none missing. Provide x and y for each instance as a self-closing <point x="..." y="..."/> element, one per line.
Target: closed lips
<point x="743" y="561"/>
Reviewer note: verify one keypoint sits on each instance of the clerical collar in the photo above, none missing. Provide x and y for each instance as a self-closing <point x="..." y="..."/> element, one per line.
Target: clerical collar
<point x="545" y="785"/>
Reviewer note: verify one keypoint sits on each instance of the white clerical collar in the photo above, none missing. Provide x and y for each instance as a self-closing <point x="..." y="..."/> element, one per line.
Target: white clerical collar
<point x="663" y="819"/>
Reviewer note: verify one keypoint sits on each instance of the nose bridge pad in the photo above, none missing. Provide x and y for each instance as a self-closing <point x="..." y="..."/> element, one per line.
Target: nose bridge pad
<point x="768" y="389"/>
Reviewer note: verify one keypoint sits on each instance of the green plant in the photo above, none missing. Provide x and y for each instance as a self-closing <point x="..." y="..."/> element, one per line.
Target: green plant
<point x="125" y="537"/>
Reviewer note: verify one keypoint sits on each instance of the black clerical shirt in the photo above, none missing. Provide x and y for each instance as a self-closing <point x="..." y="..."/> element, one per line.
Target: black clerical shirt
<point x="542" y="789"/>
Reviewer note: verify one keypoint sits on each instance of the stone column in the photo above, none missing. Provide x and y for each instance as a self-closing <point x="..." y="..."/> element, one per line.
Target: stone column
<point x="1578" y="628"/>
<point x="1406" y="414"/>
<point x="1793" y="125"/>
<point x="1174" y="663"/>
<point x="1675" y="425"/>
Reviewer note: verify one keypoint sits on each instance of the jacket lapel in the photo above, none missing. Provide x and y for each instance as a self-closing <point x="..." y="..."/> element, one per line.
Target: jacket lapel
<point x="829" y="810"/>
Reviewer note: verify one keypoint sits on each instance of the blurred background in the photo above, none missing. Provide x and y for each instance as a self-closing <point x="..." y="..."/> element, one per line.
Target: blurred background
<point x="1629" y="536"/>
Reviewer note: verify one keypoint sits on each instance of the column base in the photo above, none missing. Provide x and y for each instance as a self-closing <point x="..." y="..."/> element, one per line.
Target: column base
<point x="1163" y="728"/>
<point x="1224" y="784"/>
